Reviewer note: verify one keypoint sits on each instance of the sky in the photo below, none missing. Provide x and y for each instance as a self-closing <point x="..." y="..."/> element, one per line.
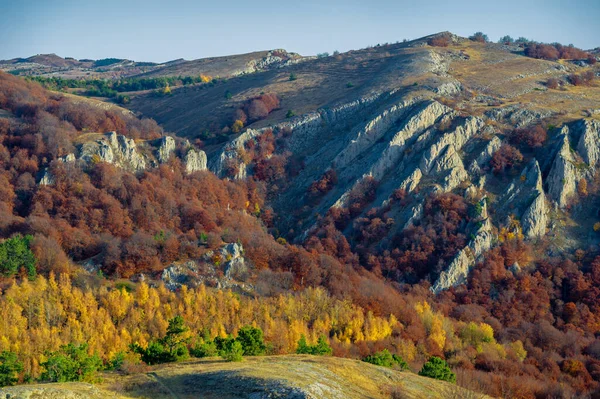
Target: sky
<point x="159" y="31"/>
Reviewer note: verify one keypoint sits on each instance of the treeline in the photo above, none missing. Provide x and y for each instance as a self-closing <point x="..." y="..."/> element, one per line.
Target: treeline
<point x="111" y="88"/>
<point x="45" y="315"/>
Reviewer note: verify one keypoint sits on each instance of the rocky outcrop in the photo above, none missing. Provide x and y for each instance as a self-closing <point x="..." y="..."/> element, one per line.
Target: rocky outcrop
<point x="484" y="157"/>
<point x="457" y="271"/>
<point x="165" y="149"/>
<point x="115" y="149"/>
<point x="127" y="154"/>
<point x="420" y="120"/>
<point x="373" y="130"/>
<point x="562" y="178"/>
<point x="178" y="274"/>
<point x="412" y="181"/>
<point x="589" y="141"/>
<point x="535" y="220"/>
<point x="195" y="161"/>
<point x="225" y="267"/>
<point x="457" y="138"/>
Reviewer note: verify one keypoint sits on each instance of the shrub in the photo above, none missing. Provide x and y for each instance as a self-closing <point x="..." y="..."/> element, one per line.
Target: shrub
<point x="290" y="114"/>
<point x="117" y="362"/>
<point x="438" y="369"/>
<point x="479" y="37"/>
<point x="205" y="348"/>
<point x="386" y="359"/>
<point x="15" y="254"/>
<point x="293" y="77"/>
<point x="252" y="341"/>
<point x="553" y="83"/>
<point x="71" y="363"/>
<point x="237" y="126"/>
<point x="10" y="367"/>
<point x="439" y="41"/>
<point x="506" y="157"/>
<point x="583" y="79"/>
<point x="533" y="137"/>
<point x="542" y="51"/>
<point x="321" y="348"/>
<point x="506" y="40"/>
<point x="229" y="349"/>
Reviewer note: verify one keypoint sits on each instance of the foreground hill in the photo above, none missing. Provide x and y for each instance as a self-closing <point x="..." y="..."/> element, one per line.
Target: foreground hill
<point x="255" y="378"/>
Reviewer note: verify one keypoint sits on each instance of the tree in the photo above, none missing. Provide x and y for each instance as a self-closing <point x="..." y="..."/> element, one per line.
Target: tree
<point x="175" y="340"/>
<point x="534" y="136"/>
<point x="10" y="367"/>
<point x="386" y="359"/>
<point x="505" y="157"/>
<point x="71" y="363"/>
<point x="170" y="348"/>
<point x="479" y="37"/>
<point x="251" y="339"/>
<point x="237" y="126"/>
<point x="506" y="40"/>
<point x="15" y="254"/>
<point x="229" y="348"/>
<point x="321" y="348"/>
<point x="293" y="77"/>
<point x="438" y="369"/>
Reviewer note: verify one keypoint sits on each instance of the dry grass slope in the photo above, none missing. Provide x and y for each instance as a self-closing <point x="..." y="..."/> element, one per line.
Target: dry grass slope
<point x="294" y="376"/>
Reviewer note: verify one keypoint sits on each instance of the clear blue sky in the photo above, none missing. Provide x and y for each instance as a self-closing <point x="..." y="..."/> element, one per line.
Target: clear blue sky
<point x="150" y="30"/>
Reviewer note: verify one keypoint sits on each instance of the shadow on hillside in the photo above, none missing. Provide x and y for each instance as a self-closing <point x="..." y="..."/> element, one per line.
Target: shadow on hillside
<point x="217" y="384"/>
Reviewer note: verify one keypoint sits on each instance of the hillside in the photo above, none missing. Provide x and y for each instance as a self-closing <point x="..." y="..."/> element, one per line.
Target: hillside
<point x="264" y="377"/>
<point x="421" y="119"/>
<point x="430" y="199"/>
<point x="52" y="65"/>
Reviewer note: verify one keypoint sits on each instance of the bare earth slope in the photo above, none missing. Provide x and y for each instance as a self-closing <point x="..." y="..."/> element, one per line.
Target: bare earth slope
<point x="260" y="377"/>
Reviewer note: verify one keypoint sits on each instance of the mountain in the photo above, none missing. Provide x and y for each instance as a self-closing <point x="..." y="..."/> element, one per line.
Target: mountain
<point x="436" y="198"/>
<point x="54" y="66"/>
<point x="416" y="121"/>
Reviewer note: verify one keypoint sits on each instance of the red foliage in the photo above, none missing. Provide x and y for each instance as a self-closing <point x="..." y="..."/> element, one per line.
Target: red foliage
<point x="554" y="52"/>
<point x="439" y="41"/>
<point x="534" y="136"/>
<point x="583" y="79"/>
<point x="506" y="157"/>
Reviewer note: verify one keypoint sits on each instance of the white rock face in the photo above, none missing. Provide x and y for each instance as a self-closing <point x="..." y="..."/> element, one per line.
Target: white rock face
<point x="47" y="179"/>
<point x="457" y="138"/>
<point x="178" y="274"/>
<point x="115" y="149"/>
<point x="195" y="160"/>
<point x="457" y="271"/>
<point x="412" y="181"/>
<point x="562" y="178"/>
<point x="535" y="220"/>
<point x="370" y="133"/>
<point x="417" y="123"/>
<point x="485" y="156"/>
<point x="165" y="149"/>
<point x="589" y="141"/>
